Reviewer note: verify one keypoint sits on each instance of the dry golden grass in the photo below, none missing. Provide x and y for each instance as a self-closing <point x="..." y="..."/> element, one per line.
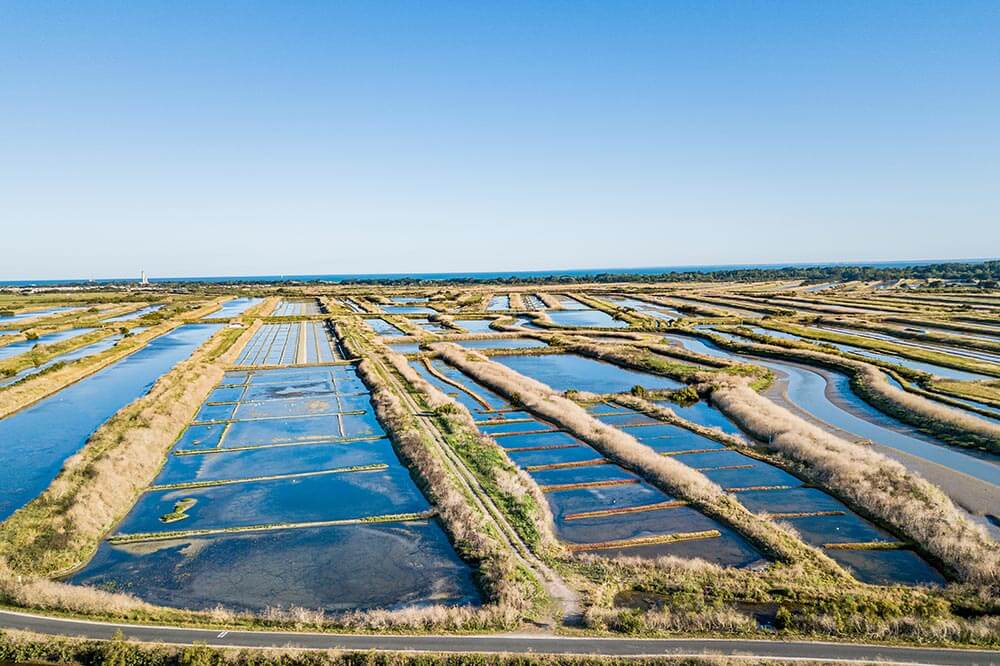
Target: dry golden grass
<point x="670" y="475"/>
<point x="883" y="487"/>
<point x="60" y="528"/>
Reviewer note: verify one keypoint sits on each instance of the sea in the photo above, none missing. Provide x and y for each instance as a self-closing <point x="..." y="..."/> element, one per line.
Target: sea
<point x="487" y="275"/>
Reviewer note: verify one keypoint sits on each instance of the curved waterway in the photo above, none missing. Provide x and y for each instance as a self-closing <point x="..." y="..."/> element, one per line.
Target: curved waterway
<point x="75" y="355"/>
<point x="835" y="404"/>
<point x="915" y="365"/>
<point x="912" y="364"/>
<point x="35" y="441"/>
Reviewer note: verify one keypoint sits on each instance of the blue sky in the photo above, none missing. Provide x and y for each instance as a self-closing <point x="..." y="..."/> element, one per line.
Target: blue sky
<point x="210" y="138"/>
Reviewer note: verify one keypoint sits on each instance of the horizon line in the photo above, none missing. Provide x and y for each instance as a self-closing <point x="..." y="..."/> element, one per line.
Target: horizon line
<point x="550" y="272"/>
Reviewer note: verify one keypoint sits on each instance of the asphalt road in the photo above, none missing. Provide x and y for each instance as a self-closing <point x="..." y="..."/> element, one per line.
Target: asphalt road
<point x="503" y="643"/>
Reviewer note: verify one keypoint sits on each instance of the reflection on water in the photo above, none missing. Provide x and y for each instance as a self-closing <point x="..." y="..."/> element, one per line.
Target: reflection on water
<point x="808" y="389"/>
<point x="284" y="466"/>
<point x="37" y="439"/>
<point x="337" y="568"/>
<point x="569" y="371"/>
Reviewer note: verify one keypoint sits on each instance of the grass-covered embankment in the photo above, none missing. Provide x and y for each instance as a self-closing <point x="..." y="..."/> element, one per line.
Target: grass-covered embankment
<point x="20" y="395"/>
<point x="61" y="528"/>
<point x="510" y="590"/>
<point x="881" y="486"/>
<point x="878" y="345"/>
<point x="870" y="384"/>
<point x="671" y="476"/>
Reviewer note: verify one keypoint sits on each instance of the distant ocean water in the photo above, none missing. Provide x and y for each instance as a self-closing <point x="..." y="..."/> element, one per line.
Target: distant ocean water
<point x="492" y="275"/>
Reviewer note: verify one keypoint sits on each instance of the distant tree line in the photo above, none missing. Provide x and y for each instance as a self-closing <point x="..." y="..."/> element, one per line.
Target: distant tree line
<point x="987" y="273"/>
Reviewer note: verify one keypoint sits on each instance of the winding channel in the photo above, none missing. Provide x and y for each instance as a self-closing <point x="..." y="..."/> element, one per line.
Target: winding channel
<point x="827" y="397"/>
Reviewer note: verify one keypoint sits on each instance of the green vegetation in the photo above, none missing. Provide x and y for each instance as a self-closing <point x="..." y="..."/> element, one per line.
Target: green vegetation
<point x="180" y="510"/>
<point x="495" y="515"/>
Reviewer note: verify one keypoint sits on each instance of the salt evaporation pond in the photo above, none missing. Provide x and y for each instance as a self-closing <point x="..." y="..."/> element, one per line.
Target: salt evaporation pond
<point x="21" y="316"/>
<point x="503" y="343"/>
<point x="129" y="316"/>
<point x="475" y="325"/>
<point x="37" y="439"/>
<point x="382" y="327"/>
<point x="283" y="516"/>
<point x="569" y="371"/>
<point x="22" y="346"/>
<point x="768" y="489"/>
<point x="68" y="357"/>
<point x="293" y="308"/>
<point x="282" y="344"/>
<point x="650" y="309"/>
<point x="920" y="366"/>
<point x="499" y="303"/>
<point x="585" y="319"/>
<point x="808" y="389"/>
<point x="408" y="309"/>
<point x="233" y="308"/>
<point x="954" y="351"/>
<point x="598" y="507"/>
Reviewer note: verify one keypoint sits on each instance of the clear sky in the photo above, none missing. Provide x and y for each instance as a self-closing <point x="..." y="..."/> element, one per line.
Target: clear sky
<point x="210" y="138"/>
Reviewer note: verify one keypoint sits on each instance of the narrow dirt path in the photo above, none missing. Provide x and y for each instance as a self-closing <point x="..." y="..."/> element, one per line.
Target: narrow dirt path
<point x="564" y="596"/>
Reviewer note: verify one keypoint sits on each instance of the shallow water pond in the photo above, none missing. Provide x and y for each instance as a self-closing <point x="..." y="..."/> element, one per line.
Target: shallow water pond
<point x="499" y="303"/>
<point x="405" y="347"/>
<point x="408" y="309"/>
<point x="337" y="496"/>
<point x="575" y="454"/>
<point x="729" y="550"/>
<point x="37" y="439"/>
<point x="68" y="357"/>
<point x="226" y="394"/>
<point x="569" y="371"/>
<point x="503" y="343"/>
<point x="7" y="320"/>
<point x="554" y="438"/>
<point x="585" y="319"/>
<point x="887" y="567"/>
<point x="475" y="325"/>
<point x="129" y="316"/>
<point x="759" y="475"/>
<point x="431" y="326"/>
<point x="226" y="465"/>
<point x="791" y="500"/>
<point x="261" y="433"/>
<point x="233" y="308"/>
<point x="848" y="528"/>
<point x="714" y="459"/>
<point x="590" y="474"/>
<point x="382" y="327"/>
<point x="833" y="402"/>
<point x="582" y="500"/>
<point x="21" y="346"/>
<point x="626" y="419"/>
<point x="332" y="568"/>
<point x="702" y="413"/>
<point x="215" y="413"/>
<point x="293" y="308"/>
<point x="514" y="427"/>
<point x="676" y="520"/>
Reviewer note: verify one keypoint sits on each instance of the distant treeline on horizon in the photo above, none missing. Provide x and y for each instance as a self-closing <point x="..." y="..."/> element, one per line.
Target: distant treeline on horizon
<point x="987" y="273"/>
